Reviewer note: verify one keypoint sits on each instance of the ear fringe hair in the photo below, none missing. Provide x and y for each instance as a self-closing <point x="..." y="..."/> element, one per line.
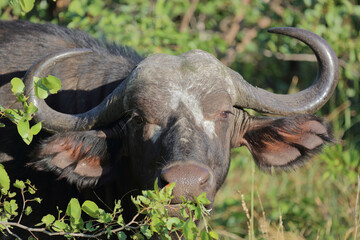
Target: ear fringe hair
<point x="89" y="145"/>
<point x="290" y="124"/>
<point x="81" y="182"/>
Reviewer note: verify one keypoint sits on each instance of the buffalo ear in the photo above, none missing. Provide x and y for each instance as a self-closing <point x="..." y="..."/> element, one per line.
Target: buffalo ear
<point x="283" y="143"/>
<point x="80" y="157"/>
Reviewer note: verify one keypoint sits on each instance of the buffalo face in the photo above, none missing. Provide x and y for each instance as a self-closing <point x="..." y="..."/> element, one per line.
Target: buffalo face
<point x="179" y="129"/>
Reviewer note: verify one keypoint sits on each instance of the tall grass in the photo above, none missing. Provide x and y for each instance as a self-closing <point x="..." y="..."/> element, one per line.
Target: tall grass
<point x="295" y="205"/>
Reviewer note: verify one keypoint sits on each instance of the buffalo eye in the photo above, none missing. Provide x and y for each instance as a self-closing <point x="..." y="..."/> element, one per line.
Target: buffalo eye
<point x="225" y="114"/>
<point x="137" y="119"/>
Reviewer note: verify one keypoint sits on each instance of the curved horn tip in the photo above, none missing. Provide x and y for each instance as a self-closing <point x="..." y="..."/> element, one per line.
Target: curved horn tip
<point x="287" y="30"/>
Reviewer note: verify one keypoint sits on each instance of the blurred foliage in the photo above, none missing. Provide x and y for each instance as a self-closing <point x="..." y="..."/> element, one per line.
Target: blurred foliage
<point x="316" y="202"/>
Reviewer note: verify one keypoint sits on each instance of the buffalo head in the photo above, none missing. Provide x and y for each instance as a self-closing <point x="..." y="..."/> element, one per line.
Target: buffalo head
<point x="178" y="117"/>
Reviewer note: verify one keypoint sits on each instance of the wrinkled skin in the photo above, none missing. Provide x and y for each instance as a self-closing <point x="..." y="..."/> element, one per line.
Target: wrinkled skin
<point x="190" y="126"/>
<point x="175" y="120"/>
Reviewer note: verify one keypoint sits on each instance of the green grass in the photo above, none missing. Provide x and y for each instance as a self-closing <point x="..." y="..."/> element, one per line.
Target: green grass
<point x="303" y="204"/>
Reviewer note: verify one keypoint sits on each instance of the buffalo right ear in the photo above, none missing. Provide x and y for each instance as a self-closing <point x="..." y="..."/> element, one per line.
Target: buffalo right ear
<point x="283" y="143"/>
<point x="80" y="157"/>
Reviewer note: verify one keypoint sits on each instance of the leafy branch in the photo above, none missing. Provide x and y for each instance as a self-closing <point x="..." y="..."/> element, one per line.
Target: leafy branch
<point x="152" y="217"/>
<point x="21" y="117"/>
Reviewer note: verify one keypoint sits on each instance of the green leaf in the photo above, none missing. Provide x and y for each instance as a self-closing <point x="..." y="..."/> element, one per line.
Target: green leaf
<point x="172" y="221"/>
<point x="4" y="180"/>
<point x="169" y="188"/>
<point x="156" y="186"/>
<point x="90" y="208"/>
<point x="26" y="5"/>
<point x="21" y="98"/>
<point x="214" y="235"/>
<point x="121" y="236"/>
<point x="53" y="84"/>
<point x="89" y="226"/>
<point x="11" y="207"/>
<point x="29" y="138"/>
<point x="17" y="86"/>
<point x="40" y="90"/>
<point x="73" y="209"/>
<point x="205" y="235"/>
<point x="202" y="199"/>
<point x="104" y="217"/>
<point x="11" y="194"/>
<point x="30" y="109"/>
<point x="43" y="87"/>
<point x="146" y="231"/>
<point x="184" y="213"/>
<point x="28" y="210"/>
<point x="144" y="200"/>
<point x="19" y="184"/>
<point x="48" y="220"/>
<point x="36" y="128"/>
<point x="2" y="125"/>
<point x="23" y="128"/>
<point x="59" y="226"/>
<point x="190" y="230"/>
<point x="196" y="211"/>
<point x="13" y="115"/>
<point x="120" y="221"/>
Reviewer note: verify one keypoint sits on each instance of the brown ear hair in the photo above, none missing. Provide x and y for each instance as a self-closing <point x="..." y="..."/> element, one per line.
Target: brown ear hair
<point x="284" y="143"/>
<point x="80" y="157"/>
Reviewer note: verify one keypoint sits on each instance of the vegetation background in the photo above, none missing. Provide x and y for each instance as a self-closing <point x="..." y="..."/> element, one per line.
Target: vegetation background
<point x="318" y="201"/>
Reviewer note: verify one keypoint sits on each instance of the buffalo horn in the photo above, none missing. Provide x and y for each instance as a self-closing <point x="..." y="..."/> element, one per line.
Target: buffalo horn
<point x="308" y="100"/>
<point x="55" y="121"/>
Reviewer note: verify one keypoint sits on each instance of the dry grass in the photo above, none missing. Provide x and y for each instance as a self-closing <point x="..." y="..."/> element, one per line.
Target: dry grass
<point x="296" y="205"/>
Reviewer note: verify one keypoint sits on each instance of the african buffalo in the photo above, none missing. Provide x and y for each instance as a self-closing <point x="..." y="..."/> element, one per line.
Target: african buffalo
<point x="125" y="120"/>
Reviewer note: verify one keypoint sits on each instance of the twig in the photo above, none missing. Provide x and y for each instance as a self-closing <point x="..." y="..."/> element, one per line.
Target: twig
<point x="335" y="113"/>
<point x="23" y="206"/>
<point x="130" y="223"/>
<point x="230" y="57"/>
<point x="11" y="233"/>
<point x="356" y="209"/>
<point x="234" y="28"/>
<point x="44" y="231"/>
<point x="98" y="198"/>
<point x="188" y="15"/>
<point x="291" y="57"/>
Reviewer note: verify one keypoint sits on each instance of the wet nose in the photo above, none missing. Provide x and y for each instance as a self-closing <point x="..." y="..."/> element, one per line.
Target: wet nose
<point x="190" y="180"/>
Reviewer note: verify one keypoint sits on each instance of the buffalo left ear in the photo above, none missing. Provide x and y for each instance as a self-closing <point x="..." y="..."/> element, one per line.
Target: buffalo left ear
<point x="283" y="143"/>
<point x="80" y="157"/>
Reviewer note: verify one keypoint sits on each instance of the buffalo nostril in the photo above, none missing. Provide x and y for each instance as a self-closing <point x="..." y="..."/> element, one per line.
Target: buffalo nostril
<point x="190" y="180"/>
<point x="205" y="181"/>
